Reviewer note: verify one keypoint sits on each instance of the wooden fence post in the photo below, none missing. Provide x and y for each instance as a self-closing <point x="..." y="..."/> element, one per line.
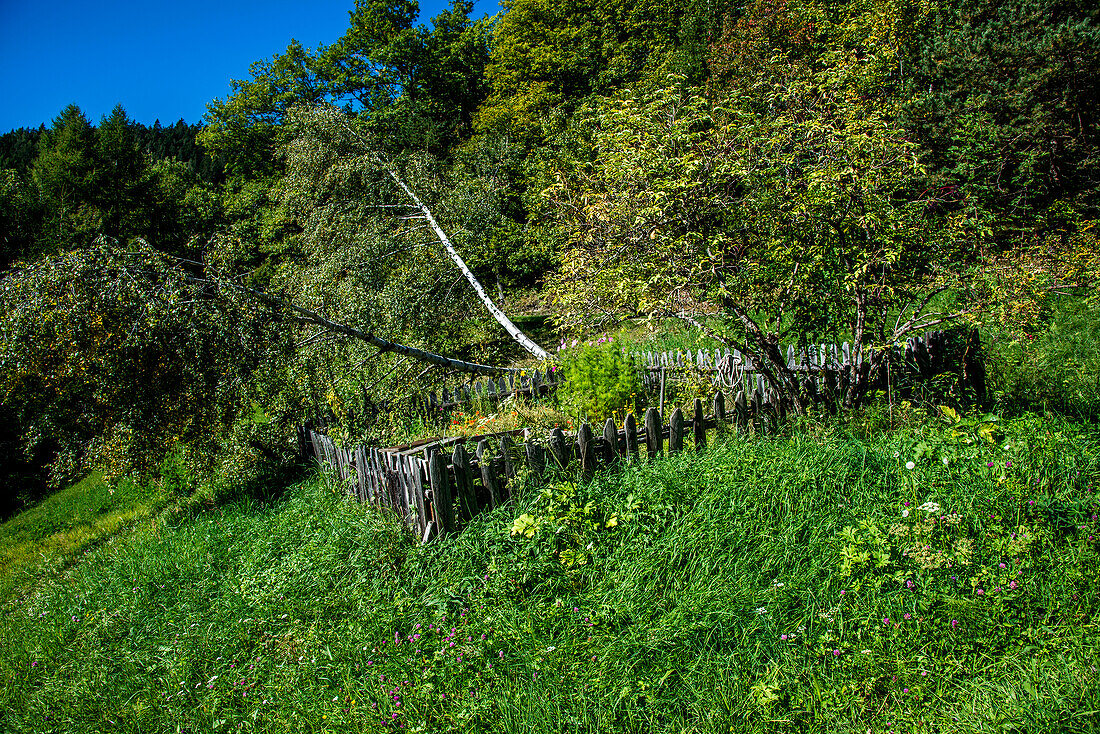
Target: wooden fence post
<point x="699" y="426"/>
<point x="719" y="413"/>
<point x="654" y="439"/>
<point x="611" y="441"/>
<point x="421" y="517"/>
<point x="587" y="451"/>
<point x="536" y="457"/>
<point x="464" y="482"/>
<point x="558" y="448"/>
<point x="676" y="432"/>
<point x="442" y="500"/>
<point x="490" y="477"/>
<point x="630" y="428"/>
<point x="742" y="410"/>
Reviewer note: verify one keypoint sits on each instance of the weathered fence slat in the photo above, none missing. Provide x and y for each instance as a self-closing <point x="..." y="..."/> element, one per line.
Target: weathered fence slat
<point x="536" y="457"/>
<point x="719" y="413"/>
<point x="587" y="451"/>
<point x="676" y="432"/>
<point x="509" y="471"/>
<point x="441" y="491"/>
<point x="699" y="426"/>
<point x="611" y="441"/>
<point x="464" y="482"/>
<point x="630" y="428"/>
<point x="654" y="438"/>
<point x="558" y="448"/>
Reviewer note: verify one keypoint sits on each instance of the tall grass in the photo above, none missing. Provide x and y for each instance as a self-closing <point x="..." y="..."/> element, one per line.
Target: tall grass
<point x="1057" y="368"/>
<point x="695" y="593"/>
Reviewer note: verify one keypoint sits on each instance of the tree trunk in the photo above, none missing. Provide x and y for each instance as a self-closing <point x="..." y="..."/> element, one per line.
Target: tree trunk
<point x="499" y="315"/>
<point x="305" y="315"/>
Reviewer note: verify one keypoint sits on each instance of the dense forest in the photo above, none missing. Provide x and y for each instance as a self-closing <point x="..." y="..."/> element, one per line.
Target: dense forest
<point x="774" y="170"/>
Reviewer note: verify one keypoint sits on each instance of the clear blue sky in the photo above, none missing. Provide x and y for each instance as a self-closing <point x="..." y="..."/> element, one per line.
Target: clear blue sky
<point x="159" y="60"/>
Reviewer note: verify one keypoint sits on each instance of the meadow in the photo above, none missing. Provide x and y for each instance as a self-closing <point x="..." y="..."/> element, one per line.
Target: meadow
<point x="939" y="577"/>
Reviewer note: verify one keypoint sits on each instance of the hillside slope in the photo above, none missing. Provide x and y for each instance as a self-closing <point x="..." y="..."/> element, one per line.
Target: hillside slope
<point x="810" y="582"/>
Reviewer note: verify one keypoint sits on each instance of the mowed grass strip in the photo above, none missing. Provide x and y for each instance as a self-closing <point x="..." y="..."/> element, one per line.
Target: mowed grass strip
<point x="37" y="542"/>
<point x="768" y="584"/>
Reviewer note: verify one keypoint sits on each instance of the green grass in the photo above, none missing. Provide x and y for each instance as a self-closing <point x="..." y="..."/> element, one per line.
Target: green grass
<point x="67" y="522"/>
<point x="698" y="594"/>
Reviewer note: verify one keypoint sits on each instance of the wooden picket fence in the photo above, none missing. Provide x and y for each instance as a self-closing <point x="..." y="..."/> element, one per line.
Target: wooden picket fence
<point x="920" y="357"/>
<point x="436" y="485"/>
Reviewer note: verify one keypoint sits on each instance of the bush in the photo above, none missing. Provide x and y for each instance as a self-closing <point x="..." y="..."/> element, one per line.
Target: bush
<point x="599" y="381"/>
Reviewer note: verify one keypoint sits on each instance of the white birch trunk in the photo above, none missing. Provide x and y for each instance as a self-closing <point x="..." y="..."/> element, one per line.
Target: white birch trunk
<point x="499" y="315"/>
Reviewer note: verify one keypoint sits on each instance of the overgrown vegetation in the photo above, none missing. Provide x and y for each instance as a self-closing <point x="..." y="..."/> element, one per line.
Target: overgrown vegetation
<point x="781" y="171"/>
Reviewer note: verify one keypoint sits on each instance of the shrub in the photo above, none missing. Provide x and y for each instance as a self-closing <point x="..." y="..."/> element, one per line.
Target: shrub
<point x="599" y="381"/>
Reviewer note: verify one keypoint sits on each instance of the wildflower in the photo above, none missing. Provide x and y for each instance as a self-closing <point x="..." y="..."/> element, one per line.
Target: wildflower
<point x="905" y="513"/>
<point x="930" y="507"/>
<point x="836" y="653"/>
<point x="989" y="464"/>
<point x="781" y="637"/>
<point x="762" y="610"/>
<point x="864" y="652"/>
<point x="910" y="465"/>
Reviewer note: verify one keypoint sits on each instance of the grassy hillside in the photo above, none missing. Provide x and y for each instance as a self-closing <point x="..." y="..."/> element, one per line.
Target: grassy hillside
<point x="810" y="582"/>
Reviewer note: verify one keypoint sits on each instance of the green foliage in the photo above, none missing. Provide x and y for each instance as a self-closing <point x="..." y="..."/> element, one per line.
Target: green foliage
<point x="599" y="382"/>
<point x="550" y="55"/>
<point x="998" y="97"/>
<point x="20" y="217"/>
<point x="117" y="357"/>
<point x="566" y="523"/>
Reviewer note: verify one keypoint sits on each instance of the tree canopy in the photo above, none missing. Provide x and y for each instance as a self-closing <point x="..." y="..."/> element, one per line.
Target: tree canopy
<point x="774" y="171"/>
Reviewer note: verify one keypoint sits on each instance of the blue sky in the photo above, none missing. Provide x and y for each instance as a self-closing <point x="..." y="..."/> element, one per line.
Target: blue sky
<point x="159" y="60"/>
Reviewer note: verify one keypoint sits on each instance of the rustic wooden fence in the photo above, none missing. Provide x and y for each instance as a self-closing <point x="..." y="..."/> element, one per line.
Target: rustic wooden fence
<point x="823" y="367"/>
<point x="437" y="485"/>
